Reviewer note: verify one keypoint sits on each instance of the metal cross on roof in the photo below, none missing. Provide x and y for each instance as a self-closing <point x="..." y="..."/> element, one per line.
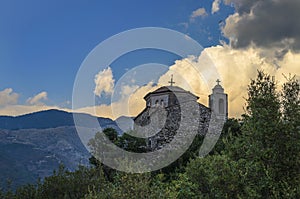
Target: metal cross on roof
<point x="171" y="82"/>
<point x="218" y="81"/>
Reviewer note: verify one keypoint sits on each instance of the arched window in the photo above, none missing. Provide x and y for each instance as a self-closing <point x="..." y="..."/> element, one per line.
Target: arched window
<point x="162" y="103"/>
<point x="221" y="106"/>
<point x="156" y="103"/>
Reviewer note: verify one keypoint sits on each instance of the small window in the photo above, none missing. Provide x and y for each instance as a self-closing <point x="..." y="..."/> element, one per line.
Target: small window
<point x="221" y="106"/>
<point x="162" y="103"/>
<point x="156" y="103"/>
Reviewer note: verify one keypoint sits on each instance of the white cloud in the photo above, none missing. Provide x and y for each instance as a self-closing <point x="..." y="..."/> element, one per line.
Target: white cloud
<point x="235" y="66"/>
<point x="104" y="82"/>
<point x="7" y="96"/>
<point x="36" y="100"/>
<point x="215" y="6"/>
<point x="196" y="74"/>
<point x="127" y="90"/>
<point x="200" y="12"/>
<point x="131" y="103"/>
<point x="9" y="104"/>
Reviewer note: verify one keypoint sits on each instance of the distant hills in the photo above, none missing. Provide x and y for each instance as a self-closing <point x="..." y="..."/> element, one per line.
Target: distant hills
<point x="33" y="145"/>
<point x="51" y="119"/>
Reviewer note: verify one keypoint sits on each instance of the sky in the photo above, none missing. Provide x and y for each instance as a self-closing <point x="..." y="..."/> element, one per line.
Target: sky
<point x="44" y="43"/>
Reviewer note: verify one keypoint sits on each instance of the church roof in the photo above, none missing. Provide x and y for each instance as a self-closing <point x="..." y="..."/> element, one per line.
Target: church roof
<point x="168" y="89"/>
<point x="218" y="87"/>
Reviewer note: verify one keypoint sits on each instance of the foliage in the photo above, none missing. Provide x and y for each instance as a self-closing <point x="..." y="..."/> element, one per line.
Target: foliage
<point x="65" y="184"/>
<point x="131" y="143"/>
<point x="231" y="129"/>
<point x="178" y="166"/>
<point x="262" y="160"/>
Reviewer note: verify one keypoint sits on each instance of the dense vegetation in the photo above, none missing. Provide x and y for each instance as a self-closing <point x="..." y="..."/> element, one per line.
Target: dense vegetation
<point x="257" y="156"/>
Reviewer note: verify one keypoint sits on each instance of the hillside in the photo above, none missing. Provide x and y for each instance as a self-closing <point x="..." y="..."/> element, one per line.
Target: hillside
<point x="50" y="119"/>
<point x="33" y="145"/>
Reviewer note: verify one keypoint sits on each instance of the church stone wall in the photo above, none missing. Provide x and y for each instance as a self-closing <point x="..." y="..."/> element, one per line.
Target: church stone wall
<point x="168" y="120"/>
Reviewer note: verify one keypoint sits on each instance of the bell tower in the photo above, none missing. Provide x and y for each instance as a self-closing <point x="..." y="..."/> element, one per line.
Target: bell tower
<point x="218" y="101"/>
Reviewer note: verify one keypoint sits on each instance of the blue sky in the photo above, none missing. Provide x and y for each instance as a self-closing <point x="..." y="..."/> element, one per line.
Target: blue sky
<point x="43" y="43"/>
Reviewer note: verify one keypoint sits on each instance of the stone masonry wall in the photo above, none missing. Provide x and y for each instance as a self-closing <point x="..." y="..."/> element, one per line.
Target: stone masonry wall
<point x="163" y="122"/>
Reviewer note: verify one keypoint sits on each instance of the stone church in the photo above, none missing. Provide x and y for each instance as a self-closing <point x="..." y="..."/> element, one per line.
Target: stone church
<point x="164" y="108"/>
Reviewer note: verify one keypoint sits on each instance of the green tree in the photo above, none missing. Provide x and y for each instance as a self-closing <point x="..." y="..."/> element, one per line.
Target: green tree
<point x="288" y="145"/>
<point x="131" y="143"/>
<point x="231" y="129"/>
<point x="261" y="160"/>
<point x="65" y="184"/>
<point x="127" y="185"/>
<point x="216" y="176"/>
<point x="111" y="133"/>
<point x="126" y="142"/>
<point x="26" y="192"/>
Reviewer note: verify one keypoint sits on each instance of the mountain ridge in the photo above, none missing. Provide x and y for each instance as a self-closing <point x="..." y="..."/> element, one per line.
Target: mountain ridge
<point x="34" y="144"/>
<point x="52" y="118"/>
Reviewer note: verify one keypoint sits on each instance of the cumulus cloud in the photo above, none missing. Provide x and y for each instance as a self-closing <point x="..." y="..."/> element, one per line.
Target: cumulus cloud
<point x="188" y="74"/>
<point x="215" y="6"/>
<point x="9" y="103"/>
<point x="271" y="25"/>
<point x="104" y="82"/>
<point x="130" y="103"/>
<point x="200" y="12"/>
<point x="197" y="74"/>
<point x="7" y="96"/>
<point x="36" y="100"/>
<point x="235" y="66"/>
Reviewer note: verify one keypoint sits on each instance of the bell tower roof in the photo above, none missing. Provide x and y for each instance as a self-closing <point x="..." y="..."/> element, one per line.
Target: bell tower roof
<point x="218" y="88"/>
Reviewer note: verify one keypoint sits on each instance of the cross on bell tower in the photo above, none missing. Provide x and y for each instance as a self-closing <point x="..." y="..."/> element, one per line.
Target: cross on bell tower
<point x="171" y="82"/>
<point x="218" y="81"/>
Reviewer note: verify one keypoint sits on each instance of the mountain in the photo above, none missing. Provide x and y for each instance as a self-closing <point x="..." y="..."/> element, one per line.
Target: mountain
<point x="51" y="119"/>
<point x="33" y="145"/>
